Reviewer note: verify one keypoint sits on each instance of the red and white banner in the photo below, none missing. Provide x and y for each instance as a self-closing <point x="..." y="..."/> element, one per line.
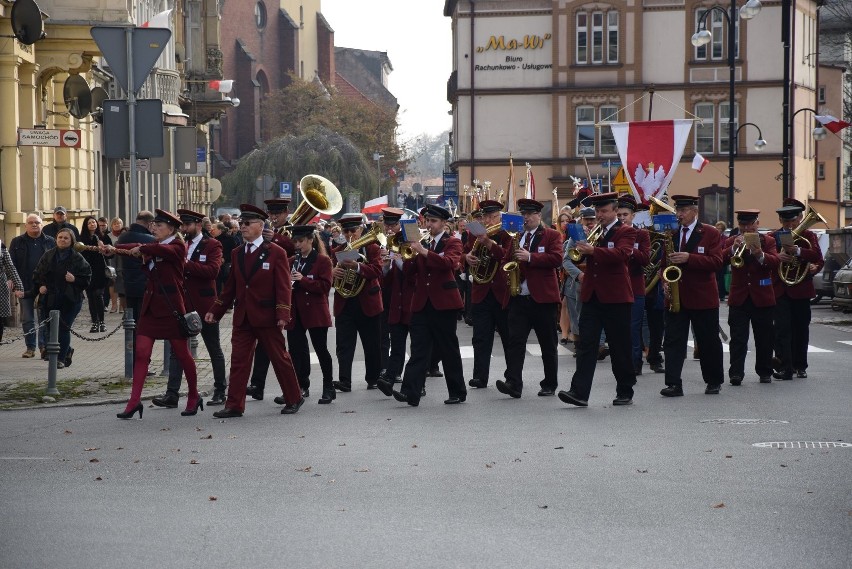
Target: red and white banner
<point x="650" y="152"/>
<point x="375" y="205"/>
<point x="530" y="195"/>
<point x="699" y="162"/>
<point x="161" y="20"/>
<point x="833" y="124"/>
<point x="222" y="85"/>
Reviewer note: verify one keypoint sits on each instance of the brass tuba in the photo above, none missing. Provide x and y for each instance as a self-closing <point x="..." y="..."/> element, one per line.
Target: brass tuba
<point x="794" y="272"/>
<point x="351" y="283"/>
<point x="513" y="268"/>
<point x="486" y="268"/>
<point x="319" y="196"/>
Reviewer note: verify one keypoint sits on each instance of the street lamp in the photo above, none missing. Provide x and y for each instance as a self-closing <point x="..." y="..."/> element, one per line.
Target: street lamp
<point x="818" y="133"/>
<point x="702" y="37"/>
<point x="759" y="144"/>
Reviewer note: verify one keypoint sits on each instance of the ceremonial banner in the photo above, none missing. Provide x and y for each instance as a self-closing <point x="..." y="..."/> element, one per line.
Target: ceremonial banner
<point x="650" y="152"/>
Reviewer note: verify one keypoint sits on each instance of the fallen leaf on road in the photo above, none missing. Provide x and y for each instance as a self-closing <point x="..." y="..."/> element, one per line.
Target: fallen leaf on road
<point x="783" y="466"/>
<point x="232" y="436"/>
<point x="517" y="460"/>
<point x="729" y="456"/>
<point x="208" y="437"/>
<point x="362" y="470"/>
<point x="543" y="507"/>
<point x="413" y="446"/>
<point x="92" y="448"/>
<point x="94" y="460"/>
<point x="591" y="456"/>
<point x="212" y="498"/>
<point x="67" y="432"/>
<point x="720" y="505"/>
<point x="198" y="429"/>
<point x="489" y="464"/>
<point x="193" y="461"/>
<point x="342" y="445"/>
<point x="642" y="471"/>
<point x="165" y="429"/>
<point x="608" y="446"/>
<point x="558" y="448"/>
<point x="347" y="411"/>
<point x="136" y="461"/>
<point x="305" y="469"/>
<point x="98" y="478"/>
<point x="315" y="474"/>
<point x="119" y="448"/>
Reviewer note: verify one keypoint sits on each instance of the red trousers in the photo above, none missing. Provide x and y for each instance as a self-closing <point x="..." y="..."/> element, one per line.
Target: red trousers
<point x="244" y="339"/>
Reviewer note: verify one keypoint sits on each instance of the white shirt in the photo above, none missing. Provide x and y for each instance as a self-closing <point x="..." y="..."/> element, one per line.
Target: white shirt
<point x="163" y="242"/>
<point x="434" y="241"/>
<point x="689" y="229"/>
<point x="255" y="244"/>
<point x="192" y="245"/>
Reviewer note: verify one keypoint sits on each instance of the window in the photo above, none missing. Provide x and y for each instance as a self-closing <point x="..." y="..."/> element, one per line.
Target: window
<point x="608" y="147"/>
<point x="724" y="114"/>
<point x="704" y="132"/>
<point x="821" y="94"/>
<point x="602" y="28"/>
<point x="260" y="15"/>
<point x="716" y="24"/>
<point x="820" y="170"/>
<point x="585" y="131"/>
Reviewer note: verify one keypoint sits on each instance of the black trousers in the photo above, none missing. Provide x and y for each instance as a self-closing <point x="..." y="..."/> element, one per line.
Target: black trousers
<point x="301" y="356"/>
<point x="210" y="337"/>
<point x="95" y="297"/>
<point x="760" y="318"/>
<point x="487" y="315"/>
<point x="349" y="326"/>
<point x="396" y="359"/>
<point x="431" y="331"/>
<point x="656" y="328"/>
<point x="705" y="325"/>
<point x="525" y="315"/>
<point x="385" y="337"/>
<point x="614" y="319"/>
<point x="792" y="332"/>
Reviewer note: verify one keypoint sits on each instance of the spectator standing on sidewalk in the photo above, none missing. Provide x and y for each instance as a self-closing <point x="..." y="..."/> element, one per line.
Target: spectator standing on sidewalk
<point x="60" y="220"/>
<point x="26" y="250"/>
<point x="95" y="291"/>
<point x="9" y="276"/>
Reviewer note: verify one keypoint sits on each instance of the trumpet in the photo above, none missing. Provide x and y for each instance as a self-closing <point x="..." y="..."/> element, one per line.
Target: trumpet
<point x="593" y="238"/>
<point x="403" y="248"/>
<point x="737" y="260"/>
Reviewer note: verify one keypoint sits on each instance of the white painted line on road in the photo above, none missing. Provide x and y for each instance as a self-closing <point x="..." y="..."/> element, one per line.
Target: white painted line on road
<point x="815" y="350"/>
<point x="802" y="444"/>
<point x="534" y="349"/>
<point x="26" y="458"/>
<point x="847" y="342"/>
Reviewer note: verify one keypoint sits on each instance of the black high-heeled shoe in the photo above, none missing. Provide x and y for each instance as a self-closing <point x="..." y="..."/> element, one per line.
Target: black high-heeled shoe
<point x="189" y="413"/>
<point x="129" y="414"/>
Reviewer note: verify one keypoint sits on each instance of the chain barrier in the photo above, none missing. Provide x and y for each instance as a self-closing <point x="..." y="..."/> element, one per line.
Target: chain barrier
<point x="87" y="339"/>
<point x="35" y="329"/>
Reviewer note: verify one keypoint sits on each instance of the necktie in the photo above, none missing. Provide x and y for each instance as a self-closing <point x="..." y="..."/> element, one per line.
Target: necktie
<point x="527" y="241"/>
<point x="682" y="247"/>
<point x="248" y="248"/>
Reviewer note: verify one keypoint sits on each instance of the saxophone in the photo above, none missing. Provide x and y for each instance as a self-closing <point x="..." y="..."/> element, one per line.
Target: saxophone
<point x="513" y="268"/>
<point x="671" y="276"/>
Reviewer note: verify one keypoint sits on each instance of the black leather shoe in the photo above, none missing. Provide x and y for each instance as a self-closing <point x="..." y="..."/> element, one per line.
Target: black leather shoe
<point x="506" y="387"/>
<point x="397" y="379"/>
<point x="168" y="400"/>
<point x="545" y="392"/>
<point x="455" y="400"/>
<point x="434" y="373"/>
<point x="68" y="357"/>
<point x="217" y="399"/>
<point x="423" y="392"/>
<point x="327" y="397"/>
<point x="622" y="400"/>
<point x="657" y="368"/>
<point x="371" y="386"/>
<point x="383" y="374"/>
<point x="737" y="379"/>
<point x="294" y="408"/>
<point x="342" y="387"/>
<point x="385" y="387"/>
<point x="777" y="364"/>
<point x="280" y="400"/>
<point x="672" y="391"/>
<point x="801" y="374"/>
<point x="227" y="414"/>
<point x="603" y="352"/>
<point x="766" y="379"/>
<point x="637" y="369"/>
<point x="254" y="392"/>
<point x="402" y="398"/>
<point x="571" y="398"/>
<point x="782" y="375"/>
<point x="306" y="392"/>
<point x="713" y="389"/>
<point x="478" y="383"/>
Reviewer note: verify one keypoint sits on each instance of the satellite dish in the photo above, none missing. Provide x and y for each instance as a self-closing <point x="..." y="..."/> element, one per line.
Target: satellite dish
<point x="99" y="95"/>
<point x="26" y="22"/>
<point x="78" y="97"/>
<point x="215" y="189"/>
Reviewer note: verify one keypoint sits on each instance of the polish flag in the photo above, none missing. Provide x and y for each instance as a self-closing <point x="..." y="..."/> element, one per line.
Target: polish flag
<point x="223" y="85"/>
<point x="161" y="20"/>
<point x="375" y="205"/>
<point x="833" y="124"/>
<point x="530" y="195"/>
<point x="699" y="162"/>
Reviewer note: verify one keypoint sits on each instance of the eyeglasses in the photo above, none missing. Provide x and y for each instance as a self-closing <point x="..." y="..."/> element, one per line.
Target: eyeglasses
<point x="33" y="223"/>
<point x="247" y="222"/>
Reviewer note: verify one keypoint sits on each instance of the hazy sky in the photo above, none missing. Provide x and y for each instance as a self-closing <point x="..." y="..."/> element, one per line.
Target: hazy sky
<point x="418" y="40"/>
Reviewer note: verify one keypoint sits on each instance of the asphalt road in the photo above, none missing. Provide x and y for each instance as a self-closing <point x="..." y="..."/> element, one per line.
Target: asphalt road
<point x="496" y="482"/>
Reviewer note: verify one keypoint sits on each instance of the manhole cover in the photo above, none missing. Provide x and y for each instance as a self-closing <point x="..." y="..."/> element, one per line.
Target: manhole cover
<point x="745" y="421"/>
<point x="802" y="444"/>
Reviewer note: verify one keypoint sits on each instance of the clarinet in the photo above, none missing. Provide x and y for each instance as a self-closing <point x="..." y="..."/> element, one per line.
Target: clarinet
<point x="296" y="266"/>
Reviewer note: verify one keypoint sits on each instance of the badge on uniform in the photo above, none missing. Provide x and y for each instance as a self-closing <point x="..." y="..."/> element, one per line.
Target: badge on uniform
<point x="610" y="245"/>
<point x="636" y="245"/>
<point x="541" y="249"/>
<point x="202" y="258"/>
<point x="765" y="282"/>
<point x="266" y="266"/>
<point x="701" y="249"/>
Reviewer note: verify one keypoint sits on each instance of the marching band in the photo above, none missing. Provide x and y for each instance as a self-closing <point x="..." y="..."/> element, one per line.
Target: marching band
<point x="395" y="284"/>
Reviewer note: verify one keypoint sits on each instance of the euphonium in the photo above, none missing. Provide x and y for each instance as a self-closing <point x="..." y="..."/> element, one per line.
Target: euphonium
<point x="671" y="276"/>
<point x="737" y="260"/>
<point x="596" y="233"/>
<point x="351" y="283"/>
<point x="794" y="272"/>
<point x="652" y="269"/>
<point x="486" y="268"/>
<point x="513" y="268"/>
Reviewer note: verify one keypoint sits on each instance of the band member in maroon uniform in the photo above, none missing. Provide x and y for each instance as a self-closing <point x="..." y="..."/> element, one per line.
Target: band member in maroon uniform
<point x="698" y="253"/>
<point x="606" y="295"/>
<point x="636" y="270"/>
<point x="397" y="290"/>
<point x="792" y="302"/>
<point x="489" y="300"/>
<point x="539" y="256"/>
<point x="359" y="316"/>
<point x="277" y="210"/>
<point x="163" y="261"/>
<point x="259" y="288"/>
<point x="434" y="309"/>
<point x="751" y="298"/>
<point x="311" y="270"/>
<point x="203" y="261"/>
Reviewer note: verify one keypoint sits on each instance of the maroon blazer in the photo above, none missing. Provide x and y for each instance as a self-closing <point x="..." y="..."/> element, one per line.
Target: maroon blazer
<point x="804" y="289"/>
<point x="606" y="275"/>
<point x="310" y="295"/>
<point x="753" y="279"/>
<point x="260" y="292"/>
<point x="370" y="296"/>
<point x="199" y="275"/>
<point x="499" y="284"/>
<point x="155" y="318"/>
<point x="640" y="258"/>
<point x="400" y="289"/>
<point x="434" y="276"/>
<point x="697" y="288"/>
<point x="545" y="259"/>
<point x="284" y="242"/>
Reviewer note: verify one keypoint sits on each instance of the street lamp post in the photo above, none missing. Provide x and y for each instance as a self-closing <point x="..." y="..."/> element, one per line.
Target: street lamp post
<point x="818" y="133"/>
<point x="702" y="37"/>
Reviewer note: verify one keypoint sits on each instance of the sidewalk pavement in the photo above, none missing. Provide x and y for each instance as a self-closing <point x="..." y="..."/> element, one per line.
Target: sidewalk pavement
<point x="96" y="375"/>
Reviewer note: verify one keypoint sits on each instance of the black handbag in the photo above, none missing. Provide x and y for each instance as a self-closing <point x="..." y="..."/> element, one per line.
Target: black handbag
<point x="189" y="323"/>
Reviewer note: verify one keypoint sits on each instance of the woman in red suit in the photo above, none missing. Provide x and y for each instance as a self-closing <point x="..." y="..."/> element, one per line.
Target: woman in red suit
<point x="311" y="269"/>
<point x="163" y="261"/>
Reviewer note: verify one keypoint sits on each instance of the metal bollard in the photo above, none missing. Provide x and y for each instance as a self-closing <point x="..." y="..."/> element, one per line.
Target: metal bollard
<point x="53" y="353"/>
<point x="129" y="331"/>
<point x="193" y="346"/>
